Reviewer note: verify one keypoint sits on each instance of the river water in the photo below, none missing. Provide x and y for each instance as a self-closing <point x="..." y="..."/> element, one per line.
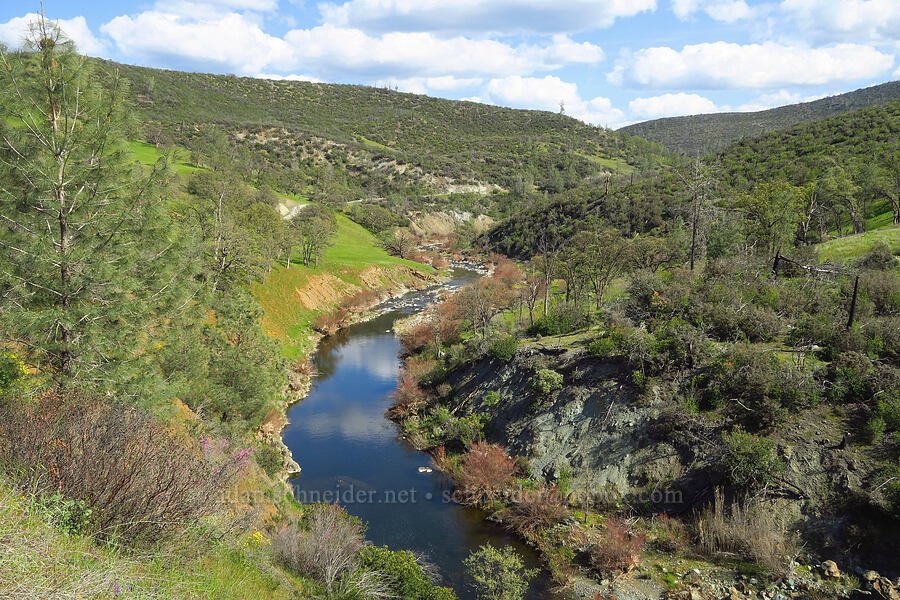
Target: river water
<point x="350" y="453"/>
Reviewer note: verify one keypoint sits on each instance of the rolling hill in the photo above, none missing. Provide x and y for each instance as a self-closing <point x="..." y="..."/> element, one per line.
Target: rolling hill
<point x="699" y="135"/>
<point x="432" y="138"/>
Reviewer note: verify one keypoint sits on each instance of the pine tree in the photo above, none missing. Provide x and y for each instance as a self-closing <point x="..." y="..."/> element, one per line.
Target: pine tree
<point x="85" y="252"/>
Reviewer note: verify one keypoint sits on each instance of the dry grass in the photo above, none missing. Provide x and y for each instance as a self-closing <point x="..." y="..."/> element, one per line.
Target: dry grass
<point x="751" y="529"/>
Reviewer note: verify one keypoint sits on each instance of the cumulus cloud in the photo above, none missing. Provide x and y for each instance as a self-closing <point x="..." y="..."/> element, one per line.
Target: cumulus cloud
<point x="728" y="65"/>
<point x="13" y="32"/>
<point x="547" y="93"/>
<point x="338" y="52"/>
<point x="229" y="41"/>
<point x="779" y="98"/>
<point x="843" y="20"/>
<point x="671" y="105"/>
<point x="430" y="85"/>
<point x="481" y="16"/>
<point x="727" y="11"/>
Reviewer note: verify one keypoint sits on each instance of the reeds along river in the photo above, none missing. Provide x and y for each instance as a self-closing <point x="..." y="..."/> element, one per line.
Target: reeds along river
<point x="351" y="454"/>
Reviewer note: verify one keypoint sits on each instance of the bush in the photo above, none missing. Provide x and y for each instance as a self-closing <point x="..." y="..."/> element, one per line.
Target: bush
<point x="756" y="388"/>
<point x="534" y="511"/>
<point x="879" y="258"/>
<point x="486" y="472"/>
<point x="404" y="576"/>
<point x="671" y="534"/>
<point x="619" y="550"/>
<point x="141" y="482"/>
<point x="498" y="574"/>
<point x="72" y="517"/>
<point x="11" y="371"/>
<point x="883" y="338"/>
<point x="748" y="461"/>
<point x="679" y="345"/>
<point x="409" y="398"/>
<point x="327" y="548"/>
<point x="564" y="319"/>
<point x="467" y="430"/>
<point x="752" y="530"/>
<point x="545" y="382"/>
<point x="503" y="348"/>
<point x="269" y="458"/>
<point x="492" y="398"/>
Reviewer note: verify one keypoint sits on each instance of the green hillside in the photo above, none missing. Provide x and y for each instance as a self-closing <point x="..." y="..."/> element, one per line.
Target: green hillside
<point x="301" y="126"/>
<point x="699" y="135"/>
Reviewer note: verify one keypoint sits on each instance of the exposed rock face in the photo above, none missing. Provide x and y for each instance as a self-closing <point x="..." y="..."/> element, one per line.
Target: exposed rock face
<point x="596" y="427"/>
<point x="623" y="444"/>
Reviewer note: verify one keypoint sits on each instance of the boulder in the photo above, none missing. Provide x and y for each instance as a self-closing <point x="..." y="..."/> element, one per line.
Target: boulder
<point x="830" y="569"/>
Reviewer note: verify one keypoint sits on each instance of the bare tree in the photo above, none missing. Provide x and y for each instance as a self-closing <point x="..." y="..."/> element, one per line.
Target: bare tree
<point x="700" y="183"/>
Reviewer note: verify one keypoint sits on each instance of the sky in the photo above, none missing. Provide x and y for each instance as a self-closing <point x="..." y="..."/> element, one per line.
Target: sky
<point x="606" y="62"/>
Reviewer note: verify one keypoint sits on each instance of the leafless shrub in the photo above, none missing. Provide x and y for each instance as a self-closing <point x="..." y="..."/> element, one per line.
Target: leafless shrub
<point x="534" y="511"/>
<point x="619" y="550"/>
<point x="327" y="549"/>
<point x="409" y="398"/>
<point x="486" y="473"/>
<point x="329" y="323"/>
<point x="140" y="481"/>
<point x="749" y="528"/>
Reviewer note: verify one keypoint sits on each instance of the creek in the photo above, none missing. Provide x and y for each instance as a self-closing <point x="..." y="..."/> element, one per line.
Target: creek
<point x="350" y="453"/>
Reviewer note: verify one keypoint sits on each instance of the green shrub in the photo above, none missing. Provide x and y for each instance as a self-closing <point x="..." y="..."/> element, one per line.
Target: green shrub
<point x="491" y="399"/>
<point x="11" y="371"/>
<point x="883" y="338"/>
<point x="404" y="576"/>
<point x="564" y="319"/>
<point x="679" y="345"/>
<point x="879" y="258"/>
<point x="269" y="458"/>
<point x="748" y="461"/>
<point x="498" y="574"/>
<point x="546" y="381"/>
<point x="468" y="429"/>
<point x="756" y="388"/>
<point x="613" y="342"/>
<point x="503" y="348"/>
<point x="72" y="517"/>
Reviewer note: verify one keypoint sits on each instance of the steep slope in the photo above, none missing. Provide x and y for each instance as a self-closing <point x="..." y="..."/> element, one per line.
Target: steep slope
<point x="699" y="135"/>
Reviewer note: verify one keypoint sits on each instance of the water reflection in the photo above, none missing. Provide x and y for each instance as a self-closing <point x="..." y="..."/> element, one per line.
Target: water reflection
<point x="351" y="454"/>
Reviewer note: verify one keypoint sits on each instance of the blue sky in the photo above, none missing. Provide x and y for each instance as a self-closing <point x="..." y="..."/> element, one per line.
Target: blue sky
<point x="608" y="62"/>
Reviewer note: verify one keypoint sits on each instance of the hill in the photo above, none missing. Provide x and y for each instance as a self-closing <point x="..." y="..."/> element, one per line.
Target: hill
<point x="699" y="135"/>
<point x="382" y="135"/>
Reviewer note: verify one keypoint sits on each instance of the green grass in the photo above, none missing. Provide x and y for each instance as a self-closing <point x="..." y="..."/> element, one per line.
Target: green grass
<point x="39" y="561"/>
<point x="148" y="154"/>
<point x="293" y="297"/>
<point x="851" y="247"/>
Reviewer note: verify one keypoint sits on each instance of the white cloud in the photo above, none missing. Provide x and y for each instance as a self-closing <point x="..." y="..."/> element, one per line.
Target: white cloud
<point x="779" y="98"/>
<point x="337" y="52"/>
<point x="546" y="93"/>
<point x="292" y="77"/>
<point x="430" y="85"/>
<point x="844" y="20"/>
<point x="13" y="32"/>
<point x="729" y="65"/>
<point x="230" y="41"/>
<point x="481" y="16"/>
<point x="671" y="105"/>
<point x="727" y="11"/>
